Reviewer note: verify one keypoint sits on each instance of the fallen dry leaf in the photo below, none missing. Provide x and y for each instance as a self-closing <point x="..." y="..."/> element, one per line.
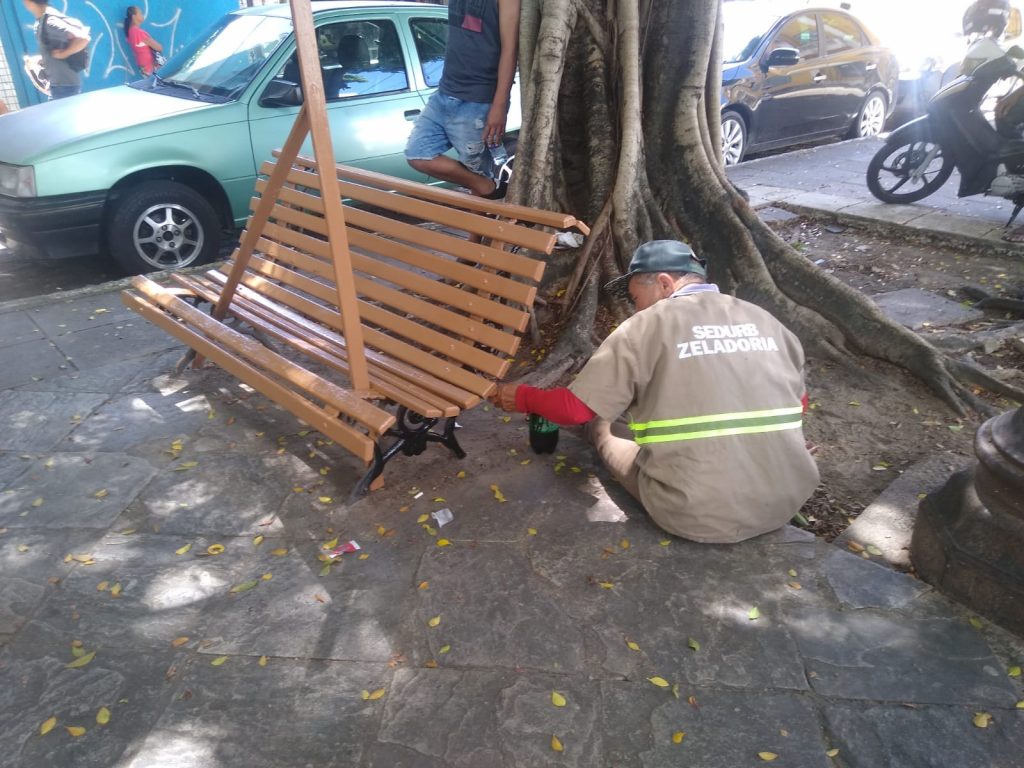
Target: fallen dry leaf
<point x="767" y="756"/>
<point x="102" y="493"/>
<point x="556" y="744"/>
<point x="179" y="641"/>
<point x="658" y="681"/>
<point x="444" y="649"/>
<point x="693" y="644"/>
<point x="263" y="661"/>
<point x="103" y="716"/>
<point x="74" y="730"/>
<point x="81" y="661"/>
<point x="754" y="613"/>
<point x="115" y="591"/>
<point x="981" y="719"/>
<point x="48" y="725"/>
<point x="498" y="494"/>
<point x="183" y="550"/>
<point x="677" y="737"/>
<point x="436" y="620"/>
<point x="215" y="549"/>
<point x="218" y="661"/>
<point x="376" y="694"/>
<point x="279" y="552"/>
<point x="832" y="753"/>
<point x="245" y="586"/>
<point x="632" y="646"/>
<point x="557" y="699"/>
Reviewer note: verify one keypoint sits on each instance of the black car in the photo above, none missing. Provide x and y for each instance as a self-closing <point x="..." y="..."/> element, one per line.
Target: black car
<point x="793" y="77"/>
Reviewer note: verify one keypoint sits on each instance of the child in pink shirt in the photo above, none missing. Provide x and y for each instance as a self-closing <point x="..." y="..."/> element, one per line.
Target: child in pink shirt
<point x="139" y="41"/>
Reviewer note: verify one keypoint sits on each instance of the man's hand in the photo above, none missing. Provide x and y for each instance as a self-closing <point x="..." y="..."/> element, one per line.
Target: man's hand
<point x="494" y="128"/>
<point x="505" y="397"/>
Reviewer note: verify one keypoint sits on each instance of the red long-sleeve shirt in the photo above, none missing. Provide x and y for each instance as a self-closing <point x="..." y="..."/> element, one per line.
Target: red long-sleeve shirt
<point x="558" y="405"/>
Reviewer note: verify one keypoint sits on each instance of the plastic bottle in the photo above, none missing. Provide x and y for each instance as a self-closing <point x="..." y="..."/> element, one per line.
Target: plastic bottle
<point x="543" y="434"/>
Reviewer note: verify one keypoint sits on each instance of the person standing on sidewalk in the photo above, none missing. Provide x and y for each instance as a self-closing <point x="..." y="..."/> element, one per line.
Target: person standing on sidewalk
<point x="714" y="393"/>
<point x="143" y="46"/>
<point x="470" y="107"/>
<point x="60" y="37"/>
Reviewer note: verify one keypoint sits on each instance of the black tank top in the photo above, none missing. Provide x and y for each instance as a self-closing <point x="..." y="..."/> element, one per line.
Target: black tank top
<point x="474" y="47"/>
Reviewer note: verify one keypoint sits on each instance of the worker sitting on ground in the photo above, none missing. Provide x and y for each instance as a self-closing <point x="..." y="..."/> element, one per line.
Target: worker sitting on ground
<point x="712" y="388"/>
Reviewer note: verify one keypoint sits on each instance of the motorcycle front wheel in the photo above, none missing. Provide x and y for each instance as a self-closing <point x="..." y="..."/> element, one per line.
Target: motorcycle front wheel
<point x="908" y="172"/>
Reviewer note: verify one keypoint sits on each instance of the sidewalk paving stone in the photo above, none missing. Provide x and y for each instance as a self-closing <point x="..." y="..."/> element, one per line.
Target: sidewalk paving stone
<point x="39" y="421"/>
<point x="30" y="362"/>
<point x="18" y="327"/>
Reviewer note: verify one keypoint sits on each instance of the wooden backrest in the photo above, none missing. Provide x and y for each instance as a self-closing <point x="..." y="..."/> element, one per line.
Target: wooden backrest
<point x="427" y="296"/>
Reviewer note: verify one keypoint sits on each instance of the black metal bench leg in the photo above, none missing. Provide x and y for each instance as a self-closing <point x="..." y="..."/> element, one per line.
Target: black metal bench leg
<point x="450" y="441"/>
<point x="376" y="467"/>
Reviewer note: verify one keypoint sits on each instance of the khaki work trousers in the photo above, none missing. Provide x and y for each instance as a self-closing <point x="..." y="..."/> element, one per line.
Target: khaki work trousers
<point x="618" y="451"/>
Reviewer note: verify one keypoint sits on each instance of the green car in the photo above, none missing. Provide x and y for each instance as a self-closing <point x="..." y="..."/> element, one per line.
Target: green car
<point x="156" y="171"/>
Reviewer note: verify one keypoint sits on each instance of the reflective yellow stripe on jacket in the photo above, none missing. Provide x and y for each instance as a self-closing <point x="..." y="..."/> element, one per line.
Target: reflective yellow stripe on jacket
<point x="718" y="425"/>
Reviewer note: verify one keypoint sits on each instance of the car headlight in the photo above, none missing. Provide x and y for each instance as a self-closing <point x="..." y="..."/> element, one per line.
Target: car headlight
<point x="17" y="180"/>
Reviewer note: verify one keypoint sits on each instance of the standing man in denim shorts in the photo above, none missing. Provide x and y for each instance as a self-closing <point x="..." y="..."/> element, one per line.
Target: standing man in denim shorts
<point x="469" y="109"/>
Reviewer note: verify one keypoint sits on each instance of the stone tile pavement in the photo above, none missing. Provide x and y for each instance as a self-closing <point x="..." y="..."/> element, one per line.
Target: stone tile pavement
<point x="120" y="484"/>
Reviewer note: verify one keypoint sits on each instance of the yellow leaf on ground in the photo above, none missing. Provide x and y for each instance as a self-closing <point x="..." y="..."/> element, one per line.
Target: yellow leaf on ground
<point x="632" y="646"/>
<point x="215" y="549"/>
<point x="218" y="661"/>
<point x="792" y="572"/>
<point x="444" y="649"/>
<point x="245" y="586"/>
<point x="186" y="465"/>
<point x="364" y="694"/>
<point x="443" y="542"/>
<point x="325" y="570"/>
<point x="376" y="694"/>
<point x="258" y="540"/>
<point x="767" y="756"/>
<point x="975" y="622"/>
<point x="832" y="753"/>
<point x="434" y="621"/>
<point x="77" y="651"/>
<point x="263" y="661"/>
<point x="677" y="737"/>
<point x="423" y="585"/>
<point x="556" y="744"/>
<point x="364" y="556"/>
<point x="754" y="613"/>
<point x="693" y="644"/>
<point x="430" y="664"/>
<point x="23" y="547"/>
<point x="81" y="661"/>
<point x="661" y="682"/>
<point x="422" y="519"/>
<point x="47" y="726"/>
<point x="557" y="699"/>
<point x="1013" y="672"/>
<point x="330" y="544"/>
<point x="179" y="641"/>
<point x="38" y="502"/>
<point x="853" y="546"/>
<point x="115" y="591"/>
<point x="183" y="550"/>
<point x="325" y="499"/>
<point x="873" y="550"/>
<point x="794" y="585"/>
<point x="279" y="552"/>
<point x="606" y="585"/>
<point x="524" y="462"/>
<point x="267" y="576"/>
<point x="624" y="544"/>
<point x="438" y="499"/>
<point x="1020" y="704"/>
<point x="102" y="586"/>
<point x="981" y="719"/>
<point x="103" y="716"/>
<point x="74" y="730"/>
<point x="665" y="542"/>
<point x="498" y="494"/>
<point x="460" y="474"/>
<point x="506" y="419"/>
<point x="101" y="493"/>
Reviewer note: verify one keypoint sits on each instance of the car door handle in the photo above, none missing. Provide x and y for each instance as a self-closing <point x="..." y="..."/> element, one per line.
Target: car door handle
<point x="819" y="77"/>
<point x="411" y="114"/>
<point x="870" y="67"/>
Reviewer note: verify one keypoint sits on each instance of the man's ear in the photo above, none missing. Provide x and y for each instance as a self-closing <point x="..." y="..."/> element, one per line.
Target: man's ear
<point x="666" y="283"/>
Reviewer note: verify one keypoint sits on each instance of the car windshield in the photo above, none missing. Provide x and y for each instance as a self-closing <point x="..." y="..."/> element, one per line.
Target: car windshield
<point x="744" y="27"/>
<point x="224" y="61"/>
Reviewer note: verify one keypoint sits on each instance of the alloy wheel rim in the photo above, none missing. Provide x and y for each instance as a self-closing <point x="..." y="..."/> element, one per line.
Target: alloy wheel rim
<point x="732" y="142"/>
<point x="168" y="236"/>
<point x="873" y="118"/>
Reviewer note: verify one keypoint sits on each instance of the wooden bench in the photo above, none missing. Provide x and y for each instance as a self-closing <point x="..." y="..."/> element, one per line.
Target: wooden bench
<point x="439" y="316"/>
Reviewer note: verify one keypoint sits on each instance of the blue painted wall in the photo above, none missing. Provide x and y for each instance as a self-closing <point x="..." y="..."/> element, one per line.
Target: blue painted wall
<point x="170" y="22"/>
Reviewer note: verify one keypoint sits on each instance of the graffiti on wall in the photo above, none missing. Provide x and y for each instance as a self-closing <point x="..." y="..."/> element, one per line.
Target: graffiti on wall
<point x="172" y="24"/>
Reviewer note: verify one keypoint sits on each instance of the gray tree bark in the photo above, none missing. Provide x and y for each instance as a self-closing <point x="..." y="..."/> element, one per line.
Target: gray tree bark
<point x="621" y="126"/>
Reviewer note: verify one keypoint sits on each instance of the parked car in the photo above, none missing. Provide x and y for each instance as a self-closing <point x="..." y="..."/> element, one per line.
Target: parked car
<point x="156" y="170"/>
<point x="791" y="77"/>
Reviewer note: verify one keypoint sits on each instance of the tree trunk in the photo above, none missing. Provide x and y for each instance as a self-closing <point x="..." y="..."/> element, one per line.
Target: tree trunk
<point x="621" y="125"/>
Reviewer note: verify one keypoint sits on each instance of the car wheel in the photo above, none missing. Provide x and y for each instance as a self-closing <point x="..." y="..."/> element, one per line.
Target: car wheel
<point x="734" y="138"/>
<point x="162" y="225"/>
<point x="871" y="118"/>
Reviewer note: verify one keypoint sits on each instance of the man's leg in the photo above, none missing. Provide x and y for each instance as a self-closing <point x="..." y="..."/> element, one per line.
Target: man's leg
<point x="446" y="123"/>
<point x="618" y="452"/>
<point x="447" y="169"/>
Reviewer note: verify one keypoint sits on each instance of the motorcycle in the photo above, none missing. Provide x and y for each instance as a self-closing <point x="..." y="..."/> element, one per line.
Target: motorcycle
<point x="919" y="157"/>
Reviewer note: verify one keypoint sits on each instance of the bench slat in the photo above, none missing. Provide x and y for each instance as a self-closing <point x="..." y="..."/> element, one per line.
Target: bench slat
<point x="352" y="440"/>
<point x="450" y="197"/>
<point x="449" y="387"/>
<point x="441" y="344"/>
<point x="275" y="323"/>
<point x="331" y="394"/>
<point x="495" y="229"/>
<point x="277" y="243"/>
<point x="485" y="255"/>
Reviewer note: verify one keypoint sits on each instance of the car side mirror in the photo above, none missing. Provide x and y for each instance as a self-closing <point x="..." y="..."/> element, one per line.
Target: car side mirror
<point x="781" y="57"/>
<point x="1015" y="52"/>
<point x="281" y="93"/>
